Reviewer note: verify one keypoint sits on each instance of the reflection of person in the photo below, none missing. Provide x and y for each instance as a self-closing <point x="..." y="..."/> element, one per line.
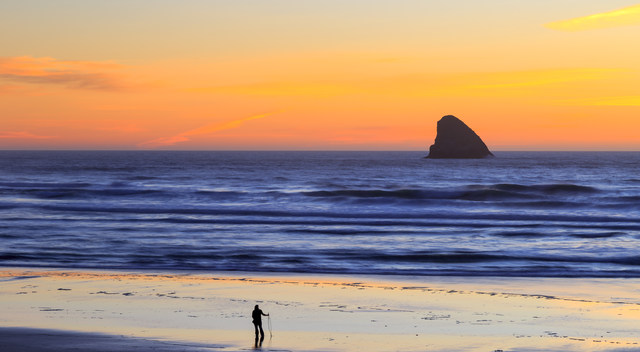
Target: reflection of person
<point x="257" y="322"/>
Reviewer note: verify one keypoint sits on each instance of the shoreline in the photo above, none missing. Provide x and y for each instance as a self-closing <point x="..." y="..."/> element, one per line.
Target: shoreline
<point x="322" y="312"/>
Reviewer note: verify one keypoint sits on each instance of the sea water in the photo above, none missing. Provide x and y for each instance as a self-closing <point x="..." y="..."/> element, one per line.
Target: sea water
<point x="548" y="214"/>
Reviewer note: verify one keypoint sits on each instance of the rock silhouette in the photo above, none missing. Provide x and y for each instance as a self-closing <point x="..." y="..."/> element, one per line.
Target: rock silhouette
<point x="455" y="140"/>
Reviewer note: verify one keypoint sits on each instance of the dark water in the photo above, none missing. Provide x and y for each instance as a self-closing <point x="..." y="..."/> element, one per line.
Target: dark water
<point x="519" y="214"/>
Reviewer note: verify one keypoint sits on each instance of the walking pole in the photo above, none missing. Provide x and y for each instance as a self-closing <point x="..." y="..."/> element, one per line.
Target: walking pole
<point x="269" y="324"/>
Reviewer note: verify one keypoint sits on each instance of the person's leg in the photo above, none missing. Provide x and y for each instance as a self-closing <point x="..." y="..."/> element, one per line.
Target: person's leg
<point x="256" y="328"/>
<point x="261" y="332"/>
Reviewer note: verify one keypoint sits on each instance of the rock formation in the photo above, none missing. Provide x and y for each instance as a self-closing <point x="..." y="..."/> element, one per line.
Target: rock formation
<point x="455" y="140"/>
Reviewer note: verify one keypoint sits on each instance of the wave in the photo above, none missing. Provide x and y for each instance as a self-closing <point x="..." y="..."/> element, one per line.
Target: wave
<point x="634" y="199"/>
<point x="598" y="235"/>
<point x="346" y="232"/>
<point x="536" y="196"/>
<point x="115" y="189"/>
<point x="475" y="257"/>
<point x="532" y="234"/>
<point x="75" y="193"/>
<point x="521" y="234"/>
<point x="396" y="227"/>
<point x="546" y="188"/>
<point x="549" y="204"/>
<point x="417" y="194"/>
<point x="417" y="217"/>
<point x="220" y="194"/>
<point x="142" y="178"/>
<point x="76" y="190"/>
<point x="336" y="261"/>
<point x="44" y="184"/>
<point x="419" y="257"/>
<point x="470" y="192"/>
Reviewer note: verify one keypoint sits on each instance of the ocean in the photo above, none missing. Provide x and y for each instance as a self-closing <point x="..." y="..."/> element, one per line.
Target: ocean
<point x="520" y="214"/>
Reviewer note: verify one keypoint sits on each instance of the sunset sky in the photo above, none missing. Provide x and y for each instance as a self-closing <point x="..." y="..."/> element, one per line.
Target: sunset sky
<point x="325" y="75"/>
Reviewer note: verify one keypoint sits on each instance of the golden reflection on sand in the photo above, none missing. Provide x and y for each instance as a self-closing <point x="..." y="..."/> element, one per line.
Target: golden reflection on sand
<point x="321" y="312"/>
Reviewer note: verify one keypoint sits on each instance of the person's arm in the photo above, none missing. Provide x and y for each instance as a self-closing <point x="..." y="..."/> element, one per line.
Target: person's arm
<point x="266" y="315"/>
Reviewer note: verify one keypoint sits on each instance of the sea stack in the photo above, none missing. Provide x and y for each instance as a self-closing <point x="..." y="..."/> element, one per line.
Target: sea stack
<point x="455" y="140"/>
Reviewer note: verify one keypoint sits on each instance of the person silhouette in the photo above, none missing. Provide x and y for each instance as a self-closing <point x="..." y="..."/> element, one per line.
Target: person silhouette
<point x="257" y="322"/>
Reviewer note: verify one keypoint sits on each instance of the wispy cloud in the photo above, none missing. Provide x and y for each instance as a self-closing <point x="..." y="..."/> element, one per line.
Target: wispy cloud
<point x="208" y="129"/>
<point x="122" y="128"/>
<point x="521" y="79"/>
<point x="606" y="101"/>
<point x="619" y="101"/>
<point x="70" y="74"/>
<point x="22" y="135"/>
<point x="622" y="17"/>
<point x="283" y="89"/>
<point x="424" y="84"/>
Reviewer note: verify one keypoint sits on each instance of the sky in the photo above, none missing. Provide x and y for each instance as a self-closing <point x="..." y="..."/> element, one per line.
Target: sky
<point x="318" y="75"/>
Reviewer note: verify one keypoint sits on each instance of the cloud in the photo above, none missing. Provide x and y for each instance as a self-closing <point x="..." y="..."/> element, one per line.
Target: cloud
<point x="283" y="89"/>
<point x="521" y="79"/>
<point x="622" y="17"/>
<point x="93" y="75"/>
<point x="208" y="129"/>
<point x="606" y="101"/>
<point x="424" y="84"/>
<point x="127" y="128"/>
<point x="619" y="101"/>
<point x="22" y="135"/>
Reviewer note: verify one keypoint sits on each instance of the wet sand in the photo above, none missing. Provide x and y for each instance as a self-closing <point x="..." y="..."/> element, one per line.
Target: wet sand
<point x="111" y="311"/>
<point x="43" y="340"/>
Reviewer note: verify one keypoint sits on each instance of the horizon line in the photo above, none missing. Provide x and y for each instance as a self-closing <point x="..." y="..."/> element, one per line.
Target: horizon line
<point x="309" y="150"/>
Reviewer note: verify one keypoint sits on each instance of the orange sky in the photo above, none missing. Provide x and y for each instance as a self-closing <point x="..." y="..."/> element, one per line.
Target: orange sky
<point x="328" y="75"/>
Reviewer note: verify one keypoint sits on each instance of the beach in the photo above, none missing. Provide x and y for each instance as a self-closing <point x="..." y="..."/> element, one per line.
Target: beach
<point x="183" y="311"/>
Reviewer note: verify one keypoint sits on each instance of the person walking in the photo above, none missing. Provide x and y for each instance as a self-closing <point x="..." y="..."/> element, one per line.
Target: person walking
<point x="257" y="322"/>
